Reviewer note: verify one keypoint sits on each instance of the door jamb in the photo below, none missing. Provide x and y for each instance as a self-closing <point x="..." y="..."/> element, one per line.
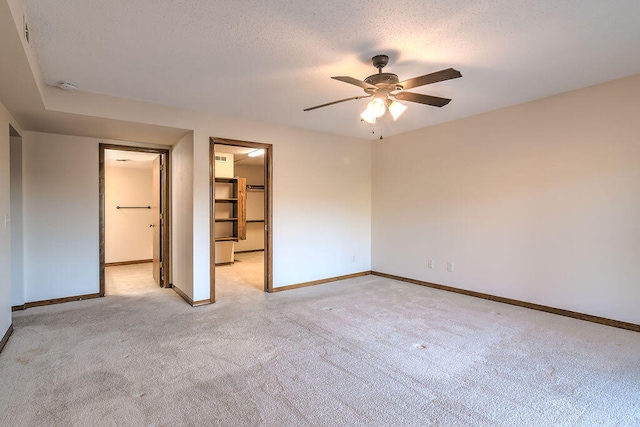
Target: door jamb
<point x="165" y="282"/>
<point x="268" y="209"/>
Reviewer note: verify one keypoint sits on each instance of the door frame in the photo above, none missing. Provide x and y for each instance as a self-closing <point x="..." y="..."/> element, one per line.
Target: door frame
<point x="16" y="215"/>
<point x="165" y="208"/>
<point x="268" y="209"/>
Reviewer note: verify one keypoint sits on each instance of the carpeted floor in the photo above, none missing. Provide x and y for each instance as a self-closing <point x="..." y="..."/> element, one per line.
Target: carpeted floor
<point x="245" y="275"/>
<point x="361" y="352"/>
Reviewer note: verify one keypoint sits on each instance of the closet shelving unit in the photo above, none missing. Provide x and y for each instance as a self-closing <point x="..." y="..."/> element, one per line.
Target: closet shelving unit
<point x="230" y="200"/>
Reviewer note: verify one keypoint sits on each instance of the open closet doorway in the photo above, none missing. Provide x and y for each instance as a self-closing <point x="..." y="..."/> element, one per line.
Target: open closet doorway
<point x="134" y="219"/>
<point x="241" y="241"/>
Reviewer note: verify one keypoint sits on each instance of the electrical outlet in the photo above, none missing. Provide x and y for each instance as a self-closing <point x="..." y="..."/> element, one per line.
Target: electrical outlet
<point x="430" y="264"/>
<point x="450" y="266"/>
<point x="353" y="258"/>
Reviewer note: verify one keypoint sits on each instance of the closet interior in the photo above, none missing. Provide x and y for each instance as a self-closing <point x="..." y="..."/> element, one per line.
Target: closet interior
<point x="239" y="215"/>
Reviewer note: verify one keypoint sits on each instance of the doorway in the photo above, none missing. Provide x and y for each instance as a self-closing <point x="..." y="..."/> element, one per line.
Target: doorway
<point x="134" y="210"/>
<point x="241" y="214"/>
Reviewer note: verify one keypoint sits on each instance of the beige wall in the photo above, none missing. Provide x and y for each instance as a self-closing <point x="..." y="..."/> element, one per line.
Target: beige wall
<point x="537" y="202"/>
<point x="253" y="173"/>
<point x="60" y="220"/>
<point x="128" y="236"/>
<point x="182" y="215"/>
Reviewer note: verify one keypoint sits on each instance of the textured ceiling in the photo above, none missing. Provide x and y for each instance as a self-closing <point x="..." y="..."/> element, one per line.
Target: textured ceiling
<point x="267" y="60"/>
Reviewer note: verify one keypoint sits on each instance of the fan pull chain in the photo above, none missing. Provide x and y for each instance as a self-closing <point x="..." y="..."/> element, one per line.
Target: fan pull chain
<point x="373" y="131"/>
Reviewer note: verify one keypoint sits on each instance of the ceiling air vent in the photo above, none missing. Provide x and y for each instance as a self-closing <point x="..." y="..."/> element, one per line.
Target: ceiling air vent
<point x="67" y="86"/>
<point x="224" y="159"/>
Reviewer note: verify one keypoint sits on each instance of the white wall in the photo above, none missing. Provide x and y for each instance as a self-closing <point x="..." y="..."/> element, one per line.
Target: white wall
<point x="60" y="201"/>
<point x="60" y="191"/>
<point x="128" y="236"/>
<point x="537" y="202"/>
<point x="17" y="267"/>
<point x="5" y="212"/>
<point x="322" y="188"/>
<point x="322" y="208"/>
<point x="182" y="215"/>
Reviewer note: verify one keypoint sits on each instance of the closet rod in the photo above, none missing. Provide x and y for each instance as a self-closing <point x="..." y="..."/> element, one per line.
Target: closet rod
<point x="133" y="207"/>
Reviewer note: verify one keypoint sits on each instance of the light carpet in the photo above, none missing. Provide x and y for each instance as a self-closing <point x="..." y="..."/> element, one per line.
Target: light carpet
<point x="362" y="352"/>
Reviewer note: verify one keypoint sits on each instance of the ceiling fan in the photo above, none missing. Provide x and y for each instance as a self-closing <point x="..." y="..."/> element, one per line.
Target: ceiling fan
<point x="382" y="86"/>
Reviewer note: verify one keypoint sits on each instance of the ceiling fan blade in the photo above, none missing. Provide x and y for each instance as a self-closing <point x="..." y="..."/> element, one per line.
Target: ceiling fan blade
<point x="356" y="82"/>
<point x="436" y="77"/>
<point x="336" y="102"/>
<point x="422" y="99"/>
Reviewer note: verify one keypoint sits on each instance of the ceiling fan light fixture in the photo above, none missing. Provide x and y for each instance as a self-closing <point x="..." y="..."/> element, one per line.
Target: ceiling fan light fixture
<point x="381" y="86"/>
<point x="396" y="109"/>
<point x="377" y="107"/>
<point x="368" y="116"/>
<point x="256" y="153"/>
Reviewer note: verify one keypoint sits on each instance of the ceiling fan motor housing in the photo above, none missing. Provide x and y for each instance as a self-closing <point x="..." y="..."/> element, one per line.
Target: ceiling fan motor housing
<point x="379" y="61"/>
<point x="384" y="82"/>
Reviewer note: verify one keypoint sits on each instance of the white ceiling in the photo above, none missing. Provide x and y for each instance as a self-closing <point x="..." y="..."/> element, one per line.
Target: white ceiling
<point x="267" y="60"/>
